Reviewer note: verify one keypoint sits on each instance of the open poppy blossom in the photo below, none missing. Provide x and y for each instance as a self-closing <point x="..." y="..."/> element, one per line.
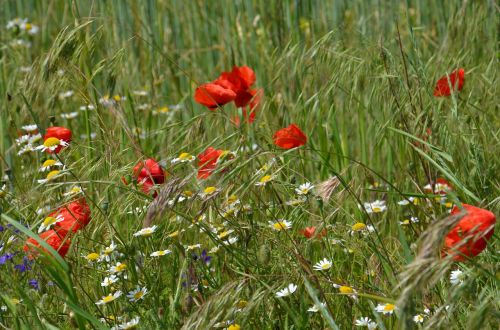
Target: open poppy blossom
<point x="75" y="215"/>
<point x="55" y="139"/>
<point x="231" y="86"/>
<point x="148" y="173"/>
<point x="310" y="232"/>
<point x="471" y="234"/>
<point x="213" y="95"/>
<point x="453" y="82"/>
<point x="57" y="241"/>
<point x="289" y="137"/>
<point x="207" y="162"/>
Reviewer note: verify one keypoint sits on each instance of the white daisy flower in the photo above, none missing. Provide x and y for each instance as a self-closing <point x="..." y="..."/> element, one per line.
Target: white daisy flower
<point x="52" y="175"/>
<point x="366" y="322"/>
<point x="132" y="324"/>
<point x="30" y="128"/>
<point x="87" y="107"/>
<point x="280" y="224"/>
<point x="231" y="240"/>
<point x="304" y="188"/>
<point x="118" y="268"/>
<point x="25" y="149"/>
<point x="31" y="29"/>
<point x="49" y="163"/>
<point x="324" y="264"/>
<point x="51" y="144"/>
<point x="183" y="158"/>
<point x="69" y="115"/>
<point x="419" y="318"/>
<point x="360" y="227"/>
<point x="66" y="94"/>
<point x="386" y="309"/>
<point x="109" y="298"/>
<point x="160" y="253"/>
<point x="457" y="277"/>
<point x="406" y="222"/>
<point x="291" y="288"/>
<point x="264" y="180"/>
<point x="16" y="23"/>
<point x="137" y="294"/>
<point x="375" y="207"/>
<point x="109" y="280"/>
<point x="146" y="231"/>
<point x="315" y="308"/>
<point x="73" y="191"/>
<point x="49" y="222"/>
<point x="192" y="247"/>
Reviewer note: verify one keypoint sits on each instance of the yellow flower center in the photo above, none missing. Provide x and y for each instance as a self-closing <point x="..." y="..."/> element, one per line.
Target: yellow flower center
<point x="121" y="267"/>
<point x="416" y="201"/>
<point x="15" y="301"/>
<point x="448" y="205"/>
<point x="48" y="162"/>
<point x="184" y="156"/>
<point x="108" y="298"/>
<point x="163" y="110"/>
<point x="138" y="295"/>
<point x="49" y="221"/>
<point x="117" y="98"/>
<point x="280" y="225"/>
<point x="92" y="256"/>
<point x="358" y="226"/>
<point x="28" y="26"/>
<point x="265" y="179"/>
<point x="52" y="174"/>
<point x="209" y="190"/>
<point x="234" y="327"/>
<point x="174" y="234"/>
<point x="406" y="222"/>
<point x="346" y="289"/>
<point x="161" y="253"/>
<point x="51" y="142"/>
<point x="232" y="199"/>
<point x="242" y="303"/>
<point x="326" y="266"/>
<point x="223" y="234"/>
<point x="188" y="193"/>
<point x="377" y="209"/>
<point x="389" y="307"/>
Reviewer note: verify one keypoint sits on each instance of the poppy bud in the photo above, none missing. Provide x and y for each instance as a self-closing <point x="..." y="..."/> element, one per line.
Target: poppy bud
<point x="148" y="173"/>
<point x="207" y="162"/>
<point x="454" y="82"/>
<point x="470" y="235"/>
<point x="289" y="137"/>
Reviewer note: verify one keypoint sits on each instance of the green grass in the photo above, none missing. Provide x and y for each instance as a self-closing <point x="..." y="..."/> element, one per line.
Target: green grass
<point x="356" y="76"/>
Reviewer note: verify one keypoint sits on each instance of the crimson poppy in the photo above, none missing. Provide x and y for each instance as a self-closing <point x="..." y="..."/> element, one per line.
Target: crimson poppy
<point x="76" y="215"/>
<point x="213" y="95"/>
<point x="57" y="241"/>
<point x="57" y="137"/>
<point x="289" y="137"/>
<point x="207" y="162"/>
<point x="471" y="234"/>
<point x="148" y="173"/>
<point x="310" y="232"/>
<point x="453" y="82"/>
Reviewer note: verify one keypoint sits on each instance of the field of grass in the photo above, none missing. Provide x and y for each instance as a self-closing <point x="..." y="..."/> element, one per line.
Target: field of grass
<point x="357" y="77"/>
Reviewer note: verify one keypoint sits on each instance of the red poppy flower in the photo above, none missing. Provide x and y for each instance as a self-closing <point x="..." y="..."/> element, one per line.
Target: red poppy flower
<point x="148" y="173"/>
<point x="207" y="162"/>
<point x="56" y="137"/>
<point x="454" y="82"/>
<point x="54" y="239"/>
<point x="213" y="95"/>
<point x="289" y="137"/>
<point x="310" y="232"/>
<point x="76" y="216"/>
<point x="471" y="234"/>
<point x="254" y="102"/>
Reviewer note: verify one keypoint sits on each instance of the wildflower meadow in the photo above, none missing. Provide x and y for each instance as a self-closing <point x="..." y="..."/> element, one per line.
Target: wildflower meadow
<point x="249" y="164"/>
